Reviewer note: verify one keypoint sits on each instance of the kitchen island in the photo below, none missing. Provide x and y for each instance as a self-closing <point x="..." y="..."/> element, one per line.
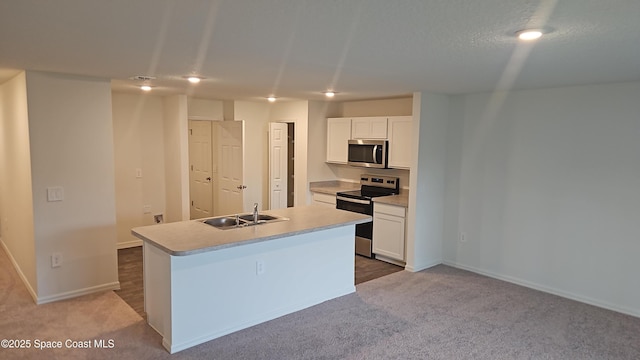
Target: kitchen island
<point x="201" y="282"/>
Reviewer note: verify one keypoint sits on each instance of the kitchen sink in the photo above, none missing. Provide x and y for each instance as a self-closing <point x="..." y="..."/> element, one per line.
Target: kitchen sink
<point x="231" y="222"/>
<point x="225" y="222"/>
<point x="261" y="217"/>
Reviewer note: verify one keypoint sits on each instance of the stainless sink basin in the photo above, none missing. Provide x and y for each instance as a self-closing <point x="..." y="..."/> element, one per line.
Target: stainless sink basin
<point x="230" y="222"/>
<point x="225" y="222"/>
<point x="261" y="217"/>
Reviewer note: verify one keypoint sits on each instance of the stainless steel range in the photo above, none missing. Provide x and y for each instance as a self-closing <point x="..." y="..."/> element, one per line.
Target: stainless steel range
<point x="360" y="201"/>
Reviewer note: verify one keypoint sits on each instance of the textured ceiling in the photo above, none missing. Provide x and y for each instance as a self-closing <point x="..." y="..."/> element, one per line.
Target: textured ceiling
<point x="249" y="49"/>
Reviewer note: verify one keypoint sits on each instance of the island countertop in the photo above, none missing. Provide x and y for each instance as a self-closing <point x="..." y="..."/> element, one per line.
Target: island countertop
<point x="193" y="236"/>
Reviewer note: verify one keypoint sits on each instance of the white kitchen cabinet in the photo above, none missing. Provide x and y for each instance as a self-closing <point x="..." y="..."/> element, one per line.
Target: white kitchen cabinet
<point x="400" y="139"/>
<point x="369" y="128"/>
<point x="324" y="199"/>
<point x="338" y="135"/>
<point x="389" y="232"/>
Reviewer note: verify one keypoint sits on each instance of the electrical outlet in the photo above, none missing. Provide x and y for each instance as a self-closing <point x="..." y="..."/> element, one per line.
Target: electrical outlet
<point x="260" y="268"/>
<point x="56" y="260"/>
<point x="463" y="237"/>
<point x="146" y="209"/>
<point x="55" y="193"/>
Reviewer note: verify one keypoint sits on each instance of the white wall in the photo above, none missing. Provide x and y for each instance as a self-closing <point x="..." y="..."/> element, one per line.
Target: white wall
<point x="176" y="157"/>
<point x="204" y="109"/>
<point x="296" y="112"/>
<point x="138" y="144"/>
<point x="71" y="144"/>
<point x="379" y="107"/>
<point x="317" y="168"/>
<point x="256" y="156"/>
<point x="16" y="202"/>
<point x="549" y="191"/>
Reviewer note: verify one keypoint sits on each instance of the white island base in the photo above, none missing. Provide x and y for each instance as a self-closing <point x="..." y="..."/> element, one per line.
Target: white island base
<point x="195" y="298"/>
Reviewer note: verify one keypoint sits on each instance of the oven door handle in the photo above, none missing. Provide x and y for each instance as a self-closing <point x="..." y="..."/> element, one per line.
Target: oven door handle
<point x="365" y="202"/>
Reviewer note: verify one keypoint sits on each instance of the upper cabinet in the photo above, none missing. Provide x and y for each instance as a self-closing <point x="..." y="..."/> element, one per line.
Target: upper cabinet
<point x="396" y="129"/>
<point x="369" y="128"/>
<point x="338" y="135"/>
<point x="400" y="139"/>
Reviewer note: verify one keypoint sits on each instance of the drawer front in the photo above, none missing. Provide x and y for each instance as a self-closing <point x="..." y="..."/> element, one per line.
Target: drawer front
<point x="389" y="209"/>
<point x="324" y="198"/>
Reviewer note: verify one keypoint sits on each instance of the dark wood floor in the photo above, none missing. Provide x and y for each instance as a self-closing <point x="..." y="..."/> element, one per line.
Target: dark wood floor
<point x="130" y="275"/>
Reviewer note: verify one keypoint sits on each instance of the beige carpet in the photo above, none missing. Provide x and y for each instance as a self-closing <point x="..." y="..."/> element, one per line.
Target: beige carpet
<point x="440" y="313"/>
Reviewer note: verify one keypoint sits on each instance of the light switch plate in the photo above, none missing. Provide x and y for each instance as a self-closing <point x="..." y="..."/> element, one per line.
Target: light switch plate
<point x="55" y="193"/>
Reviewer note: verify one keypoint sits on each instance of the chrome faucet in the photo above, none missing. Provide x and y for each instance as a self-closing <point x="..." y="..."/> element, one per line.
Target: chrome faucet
<point x="255" y="213"/>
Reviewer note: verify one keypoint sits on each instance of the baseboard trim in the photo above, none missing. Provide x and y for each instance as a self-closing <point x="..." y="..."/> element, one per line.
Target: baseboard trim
<point x="547" y="289"/>
<point x="80" y="292"/>
<point x="19" y="271"/>
<point x="129" y="244"/>
<point x="390" y="260"/>
<point x="420" y="267"/>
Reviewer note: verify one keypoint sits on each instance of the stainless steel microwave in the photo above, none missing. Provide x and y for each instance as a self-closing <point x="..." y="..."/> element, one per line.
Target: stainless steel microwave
<point x="368" y="153"/>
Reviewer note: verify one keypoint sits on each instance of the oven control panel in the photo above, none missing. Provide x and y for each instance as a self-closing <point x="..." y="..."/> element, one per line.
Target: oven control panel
<point x="380" y="181"/>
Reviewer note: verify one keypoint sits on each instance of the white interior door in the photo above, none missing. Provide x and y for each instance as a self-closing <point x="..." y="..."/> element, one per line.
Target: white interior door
<point x="230" y="167"/>
<point x="278" y="165"/>
<point x="200" y="173"/>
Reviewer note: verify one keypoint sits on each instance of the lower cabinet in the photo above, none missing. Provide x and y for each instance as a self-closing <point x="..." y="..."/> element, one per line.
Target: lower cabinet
<point x="324" y="199"/>
<point x="389" y="232"/>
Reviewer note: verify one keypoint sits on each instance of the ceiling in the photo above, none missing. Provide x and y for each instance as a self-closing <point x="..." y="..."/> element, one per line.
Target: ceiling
<point x="296" y="49"/>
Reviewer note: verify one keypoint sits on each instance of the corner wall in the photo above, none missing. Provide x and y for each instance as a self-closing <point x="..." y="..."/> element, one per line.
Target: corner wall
<point x="256" y="154"/>
<point x="16" y="202"/>
<point x="425" y="216"/>
<point x="176" y="155"/>
<point x="317" y="168"/>
<point x="548" y="192"/>
<point x="71" y="144"/>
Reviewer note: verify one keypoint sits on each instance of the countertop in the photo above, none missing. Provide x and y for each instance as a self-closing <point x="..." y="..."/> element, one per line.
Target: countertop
<point x="401" y="199"/>
<point x="193" y="236"/>
<point x="332" y="187"/>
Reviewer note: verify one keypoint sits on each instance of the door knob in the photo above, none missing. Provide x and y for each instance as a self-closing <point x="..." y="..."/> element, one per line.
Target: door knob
<point x="208" y="179"/>
<point x="241" y="187"/>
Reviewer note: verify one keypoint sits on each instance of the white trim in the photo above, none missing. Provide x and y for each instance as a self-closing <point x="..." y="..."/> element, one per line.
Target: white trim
<point x="421" y="267"/>
<point x="19" y="271"/>
<point x="75" y="293"/>
<point x="128" y="244"/>
<point x="390" y="260"/>
<point x="547" y="289"/>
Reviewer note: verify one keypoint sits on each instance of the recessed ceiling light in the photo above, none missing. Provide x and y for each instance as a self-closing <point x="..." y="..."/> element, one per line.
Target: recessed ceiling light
<point x="529" y="34"/>
<point x="271" y="98"/>
<point x="329" y="94"/>
<point x="194" y="79"/>
<point x="145" y="88"/>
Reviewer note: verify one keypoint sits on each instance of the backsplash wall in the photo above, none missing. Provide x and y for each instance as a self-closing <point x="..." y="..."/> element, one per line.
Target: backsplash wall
<point x="352" y="173"/>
